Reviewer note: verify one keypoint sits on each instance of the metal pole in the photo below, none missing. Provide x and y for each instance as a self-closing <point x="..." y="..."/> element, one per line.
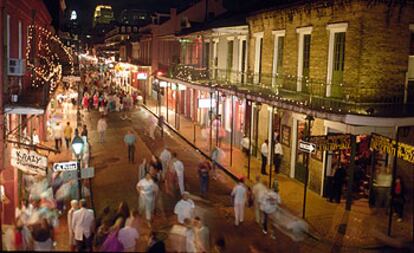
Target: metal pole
<point x="371" y="179"/>
<point x="272" y="147"/>
<point x="351" y="170"/>
<point x="232" y="130"/>
<point x="166" y="96"/>
<point x="79" y="180"/>
<point x="305" y="190"/>
<point x="250" y="141"/>
<point x="394" y="175"/>
<point x="92" y="202"/>
<point x="217" y="113"/>
<point x="210" y="114"/>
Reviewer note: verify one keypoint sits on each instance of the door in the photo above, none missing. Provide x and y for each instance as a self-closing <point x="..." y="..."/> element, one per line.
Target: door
<point x="300" y="170"/>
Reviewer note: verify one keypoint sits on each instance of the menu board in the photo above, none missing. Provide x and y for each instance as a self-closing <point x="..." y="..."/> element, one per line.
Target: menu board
<point x="285" y="140"/>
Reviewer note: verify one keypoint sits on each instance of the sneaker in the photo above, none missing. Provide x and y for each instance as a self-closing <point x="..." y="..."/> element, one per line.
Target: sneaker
<point x="264" y="231"/>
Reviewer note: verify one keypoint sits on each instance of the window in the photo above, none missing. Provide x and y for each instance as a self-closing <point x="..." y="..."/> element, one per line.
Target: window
<point x="303" y="58"/>
<point x="229" y="65"/>
<point x="279" y="41"/>
<point x="258" y="57"/>
<point x="206" y="54"/>
<point x="336" y="60"/>
<point x="242" y="59"/>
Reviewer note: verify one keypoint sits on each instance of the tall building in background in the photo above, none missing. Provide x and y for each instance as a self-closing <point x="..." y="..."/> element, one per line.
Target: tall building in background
<point x="103" y="15"/>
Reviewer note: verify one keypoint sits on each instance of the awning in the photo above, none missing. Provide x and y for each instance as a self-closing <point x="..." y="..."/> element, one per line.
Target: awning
<point x="22" y="110"/>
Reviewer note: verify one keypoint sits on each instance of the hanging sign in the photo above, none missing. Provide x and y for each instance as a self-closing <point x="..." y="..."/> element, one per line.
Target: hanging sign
<point x="307" y="147"/>
<point x="386" y="145"/>
<point x="142" y="76"/>
<point x="65" y="166"/>
<point x="332" y="142"/>
<point x="29" y="161"/>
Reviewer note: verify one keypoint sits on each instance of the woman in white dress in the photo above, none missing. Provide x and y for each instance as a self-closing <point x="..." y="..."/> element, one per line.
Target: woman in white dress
<point x="145" y="188"/>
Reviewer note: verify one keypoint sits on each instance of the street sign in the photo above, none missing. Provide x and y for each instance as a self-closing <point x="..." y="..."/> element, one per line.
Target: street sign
<point x="307" y="147"/>
<point x="87" y="172"/>
<point x="66" y="166"/>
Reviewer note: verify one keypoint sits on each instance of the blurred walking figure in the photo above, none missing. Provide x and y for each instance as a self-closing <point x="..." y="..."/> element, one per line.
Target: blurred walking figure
<point x="184" y="209"/>
<point x="202" y="236"/>
<point x="399" y="198"/>
<point x="258" y="190"/>
<point x="130" y="140"/>
<point x="67" y="133"/>
<point x="128" y="236"/>
<point x="165" y="158"/>
<point x="203" y="174"/>
<point x="83" y="225"/>
<point x="74" y="206"/>
<point x="101" y="127"/>
<point x="239" y="195"/>
<point x="179" y="169"/>
<point x="145" y="188"/>
<point x="57" y="134"/>
<point x="269" y="203"/>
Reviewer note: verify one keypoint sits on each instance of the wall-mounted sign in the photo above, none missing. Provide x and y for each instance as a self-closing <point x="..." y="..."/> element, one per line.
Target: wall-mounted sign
<point x="65" y="166"/>
<point x="332" y="142"/>
<point x="29" y="161"/>
<point x="163" y="84"/>
<point x="285" y="137"/>
<point x="206" y="102"/>
<point x="142" y="76"/>
<point x="307" y="147"/>
<point x="386" y="145"/>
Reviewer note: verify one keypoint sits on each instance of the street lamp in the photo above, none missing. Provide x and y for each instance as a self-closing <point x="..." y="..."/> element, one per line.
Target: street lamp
<point x="309" y="119"/>
<point x="77" y="148"/>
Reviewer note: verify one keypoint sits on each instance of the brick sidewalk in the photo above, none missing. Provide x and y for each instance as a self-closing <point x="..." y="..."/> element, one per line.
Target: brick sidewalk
<point x="324" y="217"/>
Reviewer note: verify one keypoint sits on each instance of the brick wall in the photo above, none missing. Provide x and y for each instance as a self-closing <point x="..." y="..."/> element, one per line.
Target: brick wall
<point x="376" y="42"/>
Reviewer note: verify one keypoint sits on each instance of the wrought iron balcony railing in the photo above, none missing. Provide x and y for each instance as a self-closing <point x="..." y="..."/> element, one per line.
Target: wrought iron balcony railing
<point x="374" y="99"/>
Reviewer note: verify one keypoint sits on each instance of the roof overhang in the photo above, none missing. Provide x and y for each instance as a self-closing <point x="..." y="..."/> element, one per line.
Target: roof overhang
<point x="23" y="110"/>
<point x="241" y="29"/>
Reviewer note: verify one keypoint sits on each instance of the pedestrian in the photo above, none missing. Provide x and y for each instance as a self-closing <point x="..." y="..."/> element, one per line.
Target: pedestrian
<point x="57" y="134"/>
<point x="202" y="236"/>
<point x="67" y="133"/>
<point x="86" y="152"/>
<point x="133" y="219"/>
<point x="171" y="182"/>
<point x="84" y="131"/>
<point x="130" y="140"/>
<point x="399" y="198"/>
<point x="165" y="157"/>
<point x="122" y="212"/>
<point x="339" y="178"/>
<point x="382" y="184"/>
<point x="264" y="152"/>
<point x="278" y="155"/>
<point x="112" y="243"/>
<point x="96" y="100"/>
<point x="269" y="203"/>
<point x="190" y="243"/>
<point x="216" y="154"/>
<point x="145" y="189"/>
<point x="203" y="174"/>
<point x="128" y="236"/>
<point x="83" y="224"/>
<point x="161" y="125"/>
<point x="184" y="208"/>
<point x="102" y="232"/>
<point x="245" y="145"/>
<point x="155" y="244"/>
<point x="74" y="205"/>
<point x="105" y="215"/>
<point x="258" y="190"/>
<point x="179" y="169"/>
<point x="35" y="137"/>
<point x="101" y="127"/>
<point x="143" y="169"/>
<point x="42" y="236"/>
<point x="239" y="195"/>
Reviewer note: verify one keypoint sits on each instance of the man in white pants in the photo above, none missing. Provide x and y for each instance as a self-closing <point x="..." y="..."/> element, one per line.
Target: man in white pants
<point x="145" y="188"/>
<point x="239" y="195"/>
<point x="179" y="169"/>
<point x="184" y="209"/>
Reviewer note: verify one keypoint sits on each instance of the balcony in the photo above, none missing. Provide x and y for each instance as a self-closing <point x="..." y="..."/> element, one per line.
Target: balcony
<point x="312" y="94"/>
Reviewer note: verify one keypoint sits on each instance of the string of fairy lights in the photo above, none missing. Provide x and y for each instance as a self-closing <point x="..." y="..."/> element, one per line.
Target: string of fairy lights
<point x="49" y="52"/>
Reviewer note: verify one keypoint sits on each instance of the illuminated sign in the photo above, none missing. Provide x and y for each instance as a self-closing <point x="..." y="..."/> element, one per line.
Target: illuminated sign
<point x="163" y="84"/>
<point x="206" y="103"/>
<point x="142" y="76"/>
<point x="388" y="146"/>
<point x="332" y="142"/>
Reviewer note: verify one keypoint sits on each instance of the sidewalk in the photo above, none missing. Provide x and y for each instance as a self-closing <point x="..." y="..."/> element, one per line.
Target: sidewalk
<point x="324" y="217"/>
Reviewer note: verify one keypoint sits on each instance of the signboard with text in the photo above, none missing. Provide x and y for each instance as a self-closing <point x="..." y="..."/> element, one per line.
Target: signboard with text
<point x="65" y="166"/>
<point x="386" y="145"/>
<point x="332" y="142"/>
<point x="307" y="147"/>
<point x="29" y="161"/>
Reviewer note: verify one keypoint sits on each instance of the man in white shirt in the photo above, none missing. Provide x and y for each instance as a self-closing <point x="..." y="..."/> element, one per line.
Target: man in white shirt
<point x="165" y="158"/>
<point x="179" y="169"/>
<point x="245" y="145"/>
<point x="278" y="154"/>
<point x="264" y="152"/>
<point x="83" y="224"/>
<point x="239" y="195"/>
<point x="128" y="236"/>
<point x="35" y="137"/>
<point x="58" y="134"/>
<point x="258" y="190"/>
<point x="145" y="188"/>
<point x="184" y="208"/>
<point x="101" y="127"/>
